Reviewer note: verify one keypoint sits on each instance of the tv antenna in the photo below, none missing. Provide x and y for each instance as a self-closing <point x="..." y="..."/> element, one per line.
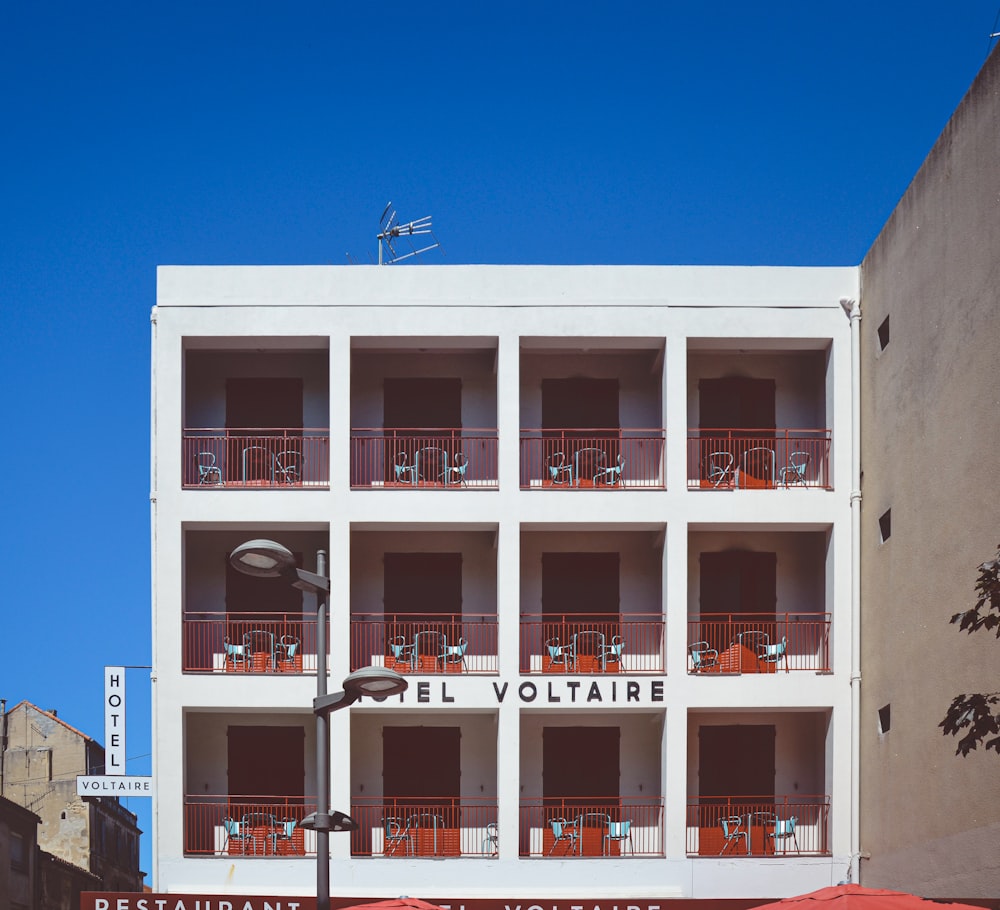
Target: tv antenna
<point x="392" y="230"/>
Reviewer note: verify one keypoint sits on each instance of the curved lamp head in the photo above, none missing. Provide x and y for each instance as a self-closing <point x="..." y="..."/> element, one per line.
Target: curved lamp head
<point x="263" y="558"/>
<point x="375" y="682"/>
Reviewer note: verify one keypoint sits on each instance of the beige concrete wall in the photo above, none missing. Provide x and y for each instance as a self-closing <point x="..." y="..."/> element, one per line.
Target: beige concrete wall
<point x="930" y="820"/>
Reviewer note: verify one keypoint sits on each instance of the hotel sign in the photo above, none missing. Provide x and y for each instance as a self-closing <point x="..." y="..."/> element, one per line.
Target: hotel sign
<point x="116" y="782"/>
<point x="551" y="692"/>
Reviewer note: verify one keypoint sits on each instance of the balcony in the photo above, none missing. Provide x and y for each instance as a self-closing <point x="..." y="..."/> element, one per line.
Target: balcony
<point x="247" y="643"/>
<point x="612" y="827"/>
<point x="592" y="643"/>
<point x="759" y="459"/>
<point x="403" y="828"/>
<point x="415" y="459"/>
<point x="738" y="643"/>
<point x="224" y="458"/>
<point x="248" y="826"/>
<point x="758" y="826"/>
<point x="431" y="643"/>
<point x="589" y="459"/>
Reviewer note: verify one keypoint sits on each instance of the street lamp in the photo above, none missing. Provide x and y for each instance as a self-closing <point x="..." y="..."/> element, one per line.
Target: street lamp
<point x="267" y="559"/>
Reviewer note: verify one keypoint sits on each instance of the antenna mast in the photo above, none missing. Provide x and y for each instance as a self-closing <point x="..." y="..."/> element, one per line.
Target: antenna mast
<point x="392" y="230"/>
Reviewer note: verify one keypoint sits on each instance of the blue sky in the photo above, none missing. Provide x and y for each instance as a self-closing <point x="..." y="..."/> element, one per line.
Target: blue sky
<point x="139" y="134"/>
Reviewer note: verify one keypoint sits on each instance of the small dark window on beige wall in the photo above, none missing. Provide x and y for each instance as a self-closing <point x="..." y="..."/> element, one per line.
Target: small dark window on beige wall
<point x="883" y="719"/>
<point x="885" y="525"/>
<point x="883" y="334"/>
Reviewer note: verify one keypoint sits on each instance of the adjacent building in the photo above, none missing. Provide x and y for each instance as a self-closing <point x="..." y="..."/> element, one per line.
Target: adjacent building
<point x="931" y="454"/>
<point x="40" y="759"/>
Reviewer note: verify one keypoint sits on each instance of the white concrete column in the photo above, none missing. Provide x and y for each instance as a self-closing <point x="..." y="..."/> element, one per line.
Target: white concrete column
<point x="675" y="740"/>
<point x="675" y="410"/>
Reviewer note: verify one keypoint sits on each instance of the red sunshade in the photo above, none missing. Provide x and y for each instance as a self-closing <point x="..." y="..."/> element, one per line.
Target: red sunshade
<point x="854" y="897"/>
<point x="396" y="903"/>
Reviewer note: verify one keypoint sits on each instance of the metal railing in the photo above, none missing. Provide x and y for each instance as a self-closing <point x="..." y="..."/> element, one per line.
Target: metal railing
<point x="249" y="643"/>
<point x="592" y="643"/>
<point x="758" y="826"/>
<point x="728" y="458"/>
<point x="758" y="642"/>
<point x="425" y="643"/>
<point x="592" y="827"/>
<point x="217" y="458"/>
<point x="252" y="826"/>
<point x="577" y="459"/>
<point x="424" y="827"/>
<point x="424" y="458"/>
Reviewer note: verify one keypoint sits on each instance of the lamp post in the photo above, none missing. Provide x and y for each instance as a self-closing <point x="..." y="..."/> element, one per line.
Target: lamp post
<point x="267" y="559"/>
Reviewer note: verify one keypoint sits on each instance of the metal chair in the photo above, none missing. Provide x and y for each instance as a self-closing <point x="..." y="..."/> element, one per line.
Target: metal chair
<point x="209" y="473"/>
<point x="288" y="467"/>
<point x="774" y="654"/>
<point x="703" y="656"/>
<point x="795" y="470"/>
<point x="456" y="473"/>
<point x="405" y="473"/>
<point x="719" y="468"/>
<point x="560" y="655"/>
<point x="287" y="649"/>
<point x="611" y="476"/>
<point x="491" y="843"/>
<point x="235" y="655"/>
<point x="236" y="837"/>
<point x="612" y="652"/>
<point x="564" y="832"/>
<point x="733" y="832"/>
<point x="455" y="654"/>
<point x="618" y="832"/>
<point x="559" y="472"/>
<point x="396" y="833"/>
<point x="401" y="650"/>
<point x="783" y="830"/>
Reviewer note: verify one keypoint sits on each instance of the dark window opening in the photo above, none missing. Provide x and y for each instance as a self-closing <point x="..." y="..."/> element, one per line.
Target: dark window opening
<point x="883" y="719"/>
<point x="885" y="525"/>
<point x="883" y="334"/>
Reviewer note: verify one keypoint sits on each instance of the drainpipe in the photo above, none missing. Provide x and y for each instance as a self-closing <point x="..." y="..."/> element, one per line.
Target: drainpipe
<point x="3" y="740"/>
<point x="853" y="310"/>
<point x="153" y="487"/>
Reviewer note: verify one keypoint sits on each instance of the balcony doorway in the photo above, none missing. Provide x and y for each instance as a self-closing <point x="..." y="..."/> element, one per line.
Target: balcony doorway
<point x="422" y="601"/>
<point x="580" y="604"/>
<point x="581" y="775"/>
<point x="269" y="412"/>
<point x="422" y="416"/>
<point x="737" y="604"/>
<point x="421" y="786"/>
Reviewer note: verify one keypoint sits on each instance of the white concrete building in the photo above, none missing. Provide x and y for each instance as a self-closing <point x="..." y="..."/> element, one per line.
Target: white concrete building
<point x="601" y="517"/>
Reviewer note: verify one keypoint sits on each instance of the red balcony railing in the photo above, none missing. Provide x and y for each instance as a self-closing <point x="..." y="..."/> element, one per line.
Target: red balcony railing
<point x="413" y="459"/>
<point x="256" y="826"/>
<point x="425" y="643"/>
<point x="592" y="643"/>
<point x="727" y="459"/>
<point x="227" y="458"/>
<point x="613" y="826"/>
<point x="592" y="459"/>
<point x="249" y="643"/>
<point x="758" y="643"/>
<point x="423" y="827"/>
<point x="757" y="826"/>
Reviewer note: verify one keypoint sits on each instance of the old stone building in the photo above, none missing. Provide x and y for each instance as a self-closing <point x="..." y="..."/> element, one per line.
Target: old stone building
<point x="39" y="763"/>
